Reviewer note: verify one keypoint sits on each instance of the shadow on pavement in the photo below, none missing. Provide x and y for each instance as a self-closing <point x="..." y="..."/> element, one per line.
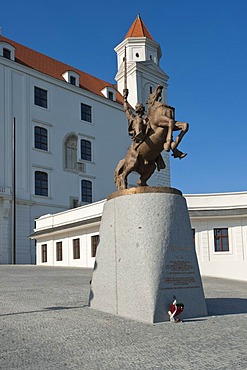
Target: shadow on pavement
<point x="46" y="309"/>
<point x="226" y="306"/>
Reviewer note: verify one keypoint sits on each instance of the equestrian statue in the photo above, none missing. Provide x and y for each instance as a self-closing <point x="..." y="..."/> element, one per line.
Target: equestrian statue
<point x="151" y="134"/>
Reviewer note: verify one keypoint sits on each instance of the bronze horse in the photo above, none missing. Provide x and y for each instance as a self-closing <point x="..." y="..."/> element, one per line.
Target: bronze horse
<point x="143" y="157"/>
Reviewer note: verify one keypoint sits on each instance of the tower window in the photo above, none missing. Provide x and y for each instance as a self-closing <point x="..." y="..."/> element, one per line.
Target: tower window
<point x="150" y="89"/>
<point x="137" y="55"/>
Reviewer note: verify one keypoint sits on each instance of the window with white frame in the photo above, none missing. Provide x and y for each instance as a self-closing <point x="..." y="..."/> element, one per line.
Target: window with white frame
<point x="86" y="150"/>
<point x="40" y="97"/>
<point x="221" y="242"/>
<point x="59" y="251"/>
<point x="94" y="244"/>
<point x="86" y="112"/>
<point x="41" y="183"/>
<point x="76" y="248"/>
<point x="40" y="138"/>
<point x="44" y="253"/>
<point x="86" y="191"/>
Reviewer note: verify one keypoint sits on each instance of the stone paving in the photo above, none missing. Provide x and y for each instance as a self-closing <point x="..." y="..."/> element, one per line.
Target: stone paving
<point x="45" y="323"/>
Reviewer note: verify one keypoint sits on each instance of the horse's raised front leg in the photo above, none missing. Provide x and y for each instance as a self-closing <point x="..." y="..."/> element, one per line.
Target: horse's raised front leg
<point x="167" y="145"/>
<point x="184" y="127"/>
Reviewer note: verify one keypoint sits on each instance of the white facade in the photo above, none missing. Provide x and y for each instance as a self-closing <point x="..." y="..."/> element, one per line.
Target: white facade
<point x="61" y="119"/>
<point x="208" y="212"/>
<point x="64" y="127"/>
<point x="212" y="212"/>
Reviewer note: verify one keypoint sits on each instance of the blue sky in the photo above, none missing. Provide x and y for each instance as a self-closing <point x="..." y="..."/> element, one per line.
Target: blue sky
<point x="204" y="51"/>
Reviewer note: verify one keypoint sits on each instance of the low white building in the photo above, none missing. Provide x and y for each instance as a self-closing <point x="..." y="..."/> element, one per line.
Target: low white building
<point x="219" y="223"/>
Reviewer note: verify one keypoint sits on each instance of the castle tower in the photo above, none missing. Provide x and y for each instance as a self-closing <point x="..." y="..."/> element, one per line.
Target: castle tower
<point x="143" y="56"/>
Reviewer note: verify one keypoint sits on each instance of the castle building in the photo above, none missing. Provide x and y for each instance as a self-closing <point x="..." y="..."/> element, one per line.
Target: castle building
<point x="218" y="221"/>
<point x="58" y="131"/>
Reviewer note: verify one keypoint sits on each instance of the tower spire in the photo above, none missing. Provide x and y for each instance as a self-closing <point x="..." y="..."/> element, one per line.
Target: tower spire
<point x="138" y="29"/>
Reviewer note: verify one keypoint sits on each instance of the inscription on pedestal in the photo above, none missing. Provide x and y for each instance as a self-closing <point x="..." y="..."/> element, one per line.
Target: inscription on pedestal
<point x="179" y="274"/>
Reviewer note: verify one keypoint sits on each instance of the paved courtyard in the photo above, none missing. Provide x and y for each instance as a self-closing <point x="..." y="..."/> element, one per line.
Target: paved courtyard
<point x="45" y="323"/>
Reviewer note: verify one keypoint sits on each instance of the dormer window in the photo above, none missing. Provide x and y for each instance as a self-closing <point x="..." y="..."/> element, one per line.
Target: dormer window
<point x="7" y="50"/>
<point x="71" y="77"/>
<point x="109" y="93"/>
<point x="6" y="53"/>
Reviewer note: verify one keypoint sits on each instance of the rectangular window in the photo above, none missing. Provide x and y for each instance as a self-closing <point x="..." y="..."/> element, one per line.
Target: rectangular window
<point x="86" y="112"/>
<point x="86" y="150"/>
<point x="86" y="191"/>
<point x="6" y="53"/>
<point x="41" y="183"/>
<point x="94" y="244"/>
<point x="40" y="97"/>
<point x="40" y="138"/>
<point x="72" y="80"/>
<point x="76" y="249"/>
<point x="110" y="95"/>
<point x="44" y="253"/>
<point x="59" y="251"/>
<point x="221" y="243"/>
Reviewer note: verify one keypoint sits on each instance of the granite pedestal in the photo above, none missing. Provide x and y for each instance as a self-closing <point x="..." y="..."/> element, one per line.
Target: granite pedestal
<point x="146" y="256"/>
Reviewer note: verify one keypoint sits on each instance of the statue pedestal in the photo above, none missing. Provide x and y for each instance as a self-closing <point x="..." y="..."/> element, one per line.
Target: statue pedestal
<point x="146" y="256"/>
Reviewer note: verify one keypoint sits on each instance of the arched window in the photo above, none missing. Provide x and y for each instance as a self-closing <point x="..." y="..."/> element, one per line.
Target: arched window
<point x="86" y="191"/>
<point x="86" y="150"/>
<point x="41" y="183"/>
<point x="70" y="148"/>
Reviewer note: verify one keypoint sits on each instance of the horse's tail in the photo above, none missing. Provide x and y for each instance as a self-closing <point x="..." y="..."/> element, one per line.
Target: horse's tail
<point x="119" y="170"/>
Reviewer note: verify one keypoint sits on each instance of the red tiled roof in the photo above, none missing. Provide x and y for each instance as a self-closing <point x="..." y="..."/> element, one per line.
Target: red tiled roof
<point x="138" y="29"/>
<point x="42" y="63"/>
